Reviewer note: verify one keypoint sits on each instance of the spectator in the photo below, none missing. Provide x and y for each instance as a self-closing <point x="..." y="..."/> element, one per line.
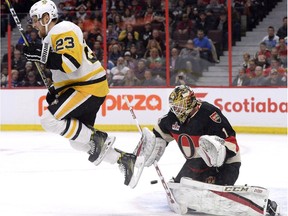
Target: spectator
<point x="271" y="40"/>
<point x="148" y="79"/>
<point x="135" y="52"/>
<point x="15" y="79"/>
<point x="203" y="24"/>
<point x="98" y="50"/>
<point x="215" y="7"/>
<point x="191" y="54"/>
<point x="128" y="16"/>
<point x="250" y="71"/>
<point x="31" y="80"/>
<point x="121" y="6"/>
<point x="181" y="78"/>
<point x="155" y="62"/>
<point x="5" y="56"/>
<point x="149" y="14"/>
<point x="184" y="26"/>
<point x="23" y="72"/>
<point x="246" y="59"/>
<point x="129" y="41"/>
<point x="203" y="44"/>
<point x="111" y="33"/>
<point x="282" y="31"/>
<point x="276" y="79"/>
<point x="131" y="79"/>
<point x="259" y="79"/>
<point x="263" y="56"/>
<point x="34" y="38"/>
<point x="275" y="64"/>
<point x="222" y="25"/>
<point x="241" y="79"/>
<point x="282" y="51"/>
<point x="4" y="76"/>
<point x="159" y="17"/>
<point x="129" y="61"/>
<point x="153" y="44"/>
<point x="175" y="61"/>
<point x="29" y="29"/>
<point x="118" y="24"/>
<point x="137" y="8"/>
<point x="274" y="54"/>
<point x="147" y="34"/>
<point x="124" y="33"/>
<point x="81" y="12"/>
<point x="18" y="61"/>
<point x="115" y="53"/>
<point x="156" y="34"/>
<point x="140" y="70"/>
<point x="118" y="73"/>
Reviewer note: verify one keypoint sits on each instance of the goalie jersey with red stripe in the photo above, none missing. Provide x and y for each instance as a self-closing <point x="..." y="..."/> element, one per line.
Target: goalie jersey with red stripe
<point x="206" y="120"/>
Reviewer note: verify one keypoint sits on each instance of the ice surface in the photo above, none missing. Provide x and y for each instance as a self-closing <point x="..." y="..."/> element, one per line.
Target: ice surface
<point x="41" y="175"/>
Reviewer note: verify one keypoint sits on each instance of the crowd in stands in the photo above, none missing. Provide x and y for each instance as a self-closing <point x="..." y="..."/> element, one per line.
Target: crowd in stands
<point x="267" y="66"/>
<point x="136" y="40"/>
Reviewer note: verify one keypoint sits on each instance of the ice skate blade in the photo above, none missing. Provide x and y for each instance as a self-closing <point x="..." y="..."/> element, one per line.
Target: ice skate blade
<point x="138" y="169"/>
<point x="107" y="145"/>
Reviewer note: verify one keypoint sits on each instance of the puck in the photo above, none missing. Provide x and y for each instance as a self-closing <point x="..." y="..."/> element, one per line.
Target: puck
<point x="154" y="182"/>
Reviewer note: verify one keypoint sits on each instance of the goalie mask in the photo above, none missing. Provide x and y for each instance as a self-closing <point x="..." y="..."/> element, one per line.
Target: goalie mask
<point x="182" y="101"/>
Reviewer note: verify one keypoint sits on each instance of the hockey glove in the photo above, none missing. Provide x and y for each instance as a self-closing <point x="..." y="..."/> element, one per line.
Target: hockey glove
<point x="37" y="52"/>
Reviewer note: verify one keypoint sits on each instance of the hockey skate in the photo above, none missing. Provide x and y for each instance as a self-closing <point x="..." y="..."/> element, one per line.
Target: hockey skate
<point x="272" y="208"/>
<point x="100" y="144"/>
<point x="132" y="166"/>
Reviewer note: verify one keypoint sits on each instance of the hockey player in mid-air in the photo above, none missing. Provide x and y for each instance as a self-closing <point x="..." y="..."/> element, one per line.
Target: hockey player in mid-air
<point x="79" y="89"/>
<point x="208" y="142"/>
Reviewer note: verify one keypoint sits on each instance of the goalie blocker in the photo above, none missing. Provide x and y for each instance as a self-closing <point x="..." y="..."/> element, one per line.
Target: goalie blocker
<point x="223" y="200"/>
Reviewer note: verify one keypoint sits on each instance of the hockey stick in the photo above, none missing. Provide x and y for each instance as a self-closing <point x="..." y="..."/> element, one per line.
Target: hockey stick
<point x="21" y="30"/>
<point x="171" y="199"/>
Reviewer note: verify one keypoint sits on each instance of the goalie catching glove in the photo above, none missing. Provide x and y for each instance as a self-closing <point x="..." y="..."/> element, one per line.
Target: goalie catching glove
<point x="212" y="150"/>
<point x="151" y="147"/>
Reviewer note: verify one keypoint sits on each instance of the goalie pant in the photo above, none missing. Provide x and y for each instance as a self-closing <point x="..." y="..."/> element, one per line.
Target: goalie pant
<point x="221" y="200"/>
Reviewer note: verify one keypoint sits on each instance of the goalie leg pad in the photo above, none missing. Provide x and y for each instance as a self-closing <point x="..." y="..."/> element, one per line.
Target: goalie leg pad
<point x="220" y="200"/>
<point x="150" y="147"/>
<point x="212" y="150"/>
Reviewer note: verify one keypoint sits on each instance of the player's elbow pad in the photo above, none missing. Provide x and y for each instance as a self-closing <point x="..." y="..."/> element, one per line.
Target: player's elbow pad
<point x="54" y="62"/>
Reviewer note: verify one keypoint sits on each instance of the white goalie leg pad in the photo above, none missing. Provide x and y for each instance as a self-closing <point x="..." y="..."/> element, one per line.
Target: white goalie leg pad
<point x="179" y="198"/>
<point x="221" y="200"/>
<point x="212" y="150"/>
<point x="157" y="152"/>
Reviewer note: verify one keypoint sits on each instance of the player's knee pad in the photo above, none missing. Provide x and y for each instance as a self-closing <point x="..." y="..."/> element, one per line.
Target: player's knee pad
<point x="212" y="150"/>
<point x="51" y="124"/>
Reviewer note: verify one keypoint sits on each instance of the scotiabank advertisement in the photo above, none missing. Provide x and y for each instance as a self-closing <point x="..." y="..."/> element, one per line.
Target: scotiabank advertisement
<point x="248" y="107"/>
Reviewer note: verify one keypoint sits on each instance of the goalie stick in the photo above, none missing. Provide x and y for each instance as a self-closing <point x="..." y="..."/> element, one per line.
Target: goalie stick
<point x="172" y="202"/>
<point x="21" y="30"/>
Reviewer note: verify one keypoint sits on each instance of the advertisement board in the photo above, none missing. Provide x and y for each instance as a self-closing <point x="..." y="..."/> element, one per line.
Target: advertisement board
<point x="248" y="108"/>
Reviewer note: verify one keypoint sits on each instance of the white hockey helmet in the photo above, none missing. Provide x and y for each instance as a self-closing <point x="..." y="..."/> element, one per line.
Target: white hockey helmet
<point x="42" y="7"/>
<point x="182" y="101"/>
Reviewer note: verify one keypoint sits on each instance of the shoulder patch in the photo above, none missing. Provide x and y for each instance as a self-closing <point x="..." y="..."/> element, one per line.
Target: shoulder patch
<point x="215" y="117"/>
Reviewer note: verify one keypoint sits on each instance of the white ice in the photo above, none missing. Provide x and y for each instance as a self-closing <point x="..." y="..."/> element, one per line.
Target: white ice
<point x="41" y="175"/>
